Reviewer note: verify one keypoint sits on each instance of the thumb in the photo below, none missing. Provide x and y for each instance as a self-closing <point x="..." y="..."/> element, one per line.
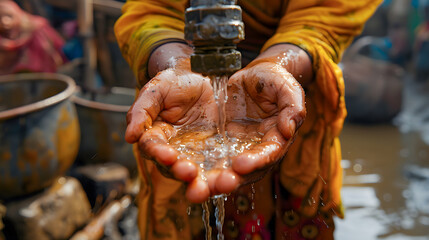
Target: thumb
<point x="144" y="110"/>
<point x="291" y="101"/>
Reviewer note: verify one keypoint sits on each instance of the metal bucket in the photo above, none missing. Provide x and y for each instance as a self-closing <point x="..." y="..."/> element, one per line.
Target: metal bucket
<point x="39" y="131"/>
<point x="102" y="118"/>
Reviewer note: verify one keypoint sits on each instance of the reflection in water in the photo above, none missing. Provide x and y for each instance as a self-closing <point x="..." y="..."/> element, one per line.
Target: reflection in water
<point x="386" y="185"/>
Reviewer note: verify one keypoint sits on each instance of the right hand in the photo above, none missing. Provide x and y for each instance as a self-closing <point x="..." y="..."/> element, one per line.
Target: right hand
<point x="174" y="99"/>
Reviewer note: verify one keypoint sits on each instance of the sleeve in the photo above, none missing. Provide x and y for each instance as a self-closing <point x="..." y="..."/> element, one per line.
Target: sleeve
<point x="145" y="25"/>
<point x="324" y="29"/>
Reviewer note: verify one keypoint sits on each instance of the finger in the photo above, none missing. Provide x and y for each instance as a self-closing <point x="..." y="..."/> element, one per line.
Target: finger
<point x="257" y="157"/>
<point x="227" y="181"/>
<point x="154" y="143"/>
<point x="268" y="152"/>
<point x="197" y="191"/>
<point x="143" y="111"/>
<point x="291" y="102"/>
<point x="287" y="126"/>
<point x="184" y="170"/>
<point x="211" y="177"/>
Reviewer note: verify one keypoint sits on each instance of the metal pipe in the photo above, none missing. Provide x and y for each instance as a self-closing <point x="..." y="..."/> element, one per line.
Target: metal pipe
<point x="214" y="27"/>
<point x="108" y="7"/>
<point x="86" y="23"/>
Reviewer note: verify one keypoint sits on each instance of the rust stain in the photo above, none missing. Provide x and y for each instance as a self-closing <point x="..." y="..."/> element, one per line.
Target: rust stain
<point x="68" y="137"/>
<point x="44" y="162"/>
<point x="8" y="186"/>
<point x="21" y="164"/>
<point x="5" y="156"/>
<point x="115" y="137"/>
<point x="33" y="183"/>
<point x="30" y="156"/>
<point x="34" y="145"/>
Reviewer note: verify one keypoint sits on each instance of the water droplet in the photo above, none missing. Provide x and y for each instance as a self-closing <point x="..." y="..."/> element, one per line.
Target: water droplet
<point x="357" y="168"/>
<point x="406" y="194"/>
<point x="62" y="180"/>
<point x="424" y="220"/>
<point x="387" y="197"/>
<point x="404" y="153"/>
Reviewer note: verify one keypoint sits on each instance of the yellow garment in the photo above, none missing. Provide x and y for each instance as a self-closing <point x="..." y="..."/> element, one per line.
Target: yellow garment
<point x="311" y="170"/>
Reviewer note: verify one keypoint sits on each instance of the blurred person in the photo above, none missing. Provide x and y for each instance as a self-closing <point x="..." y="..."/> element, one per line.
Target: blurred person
<point x="421" y="45"/>
<point x="27" y="42"/>
<point x="291" y="47"/>
<point x="375" y="68"/>
<point x="414" y="116"/>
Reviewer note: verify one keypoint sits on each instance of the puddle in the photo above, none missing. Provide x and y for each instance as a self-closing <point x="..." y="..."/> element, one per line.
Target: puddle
<point x="386" y="185"/>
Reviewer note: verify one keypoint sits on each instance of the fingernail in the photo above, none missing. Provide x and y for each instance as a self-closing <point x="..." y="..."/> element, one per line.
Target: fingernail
<point x="292" y="127"/>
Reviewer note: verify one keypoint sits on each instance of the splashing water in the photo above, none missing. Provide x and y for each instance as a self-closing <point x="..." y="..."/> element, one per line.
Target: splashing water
<point x="290" y="55"/>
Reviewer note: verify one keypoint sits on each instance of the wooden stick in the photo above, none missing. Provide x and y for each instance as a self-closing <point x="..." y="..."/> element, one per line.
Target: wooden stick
<point x="95" y="229"/>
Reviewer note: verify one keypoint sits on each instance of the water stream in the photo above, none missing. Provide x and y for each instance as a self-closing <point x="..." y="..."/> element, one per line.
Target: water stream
<point x="219" y="85"/>
<point x="212" y="148"/>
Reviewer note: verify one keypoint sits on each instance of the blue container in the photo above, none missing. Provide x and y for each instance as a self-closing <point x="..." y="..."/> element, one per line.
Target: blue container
<point x="102" y="118"/>
<point x="39" y="131"/>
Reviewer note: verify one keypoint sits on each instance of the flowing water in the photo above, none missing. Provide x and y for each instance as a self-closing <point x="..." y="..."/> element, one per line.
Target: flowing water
<point x="212" y="148"/>
<point x="219" y="85"/>
<point x="219" y="203"/>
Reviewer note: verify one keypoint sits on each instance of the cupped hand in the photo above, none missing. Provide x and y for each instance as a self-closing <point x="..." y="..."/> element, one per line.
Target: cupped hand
<point x="174" y="99"/>
<point x="176" y="108"/>
<point x="264" y="100"/>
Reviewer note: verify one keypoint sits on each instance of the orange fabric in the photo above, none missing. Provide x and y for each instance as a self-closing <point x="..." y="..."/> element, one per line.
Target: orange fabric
<point x="311" y="171"/>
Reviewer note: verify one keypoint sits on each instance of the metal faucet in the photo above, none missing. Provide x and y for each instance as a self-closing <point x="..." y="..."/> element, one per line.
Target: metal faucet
<point x="214" y="27"/>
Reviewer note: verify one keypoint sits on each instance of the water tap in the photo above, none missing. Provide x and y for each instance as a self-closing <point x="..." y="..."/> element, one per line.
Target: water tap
<point x="214" y="27"/>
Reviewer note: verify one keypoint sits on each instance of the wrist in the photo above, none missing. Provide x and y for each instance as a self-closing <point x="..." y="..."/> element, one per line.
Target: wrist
<point x="167" y="56"/>
<point x="294" y="59"/>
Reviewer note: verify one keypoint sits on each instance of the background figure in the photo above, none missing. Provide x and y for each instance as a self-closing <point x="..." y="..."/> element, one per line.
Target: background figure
<point x="421" y="45"/>
<point x="375" y="66"/>
<point x="415" y="113"/>
<point x="27" y="42"/>
<point x="402" y="187"/>
<point x="386" y="61"/>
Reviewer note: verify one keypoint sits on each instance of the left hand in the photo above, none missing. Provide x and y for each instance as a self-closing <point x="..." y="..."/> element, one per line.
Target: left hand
<point x="268" y="94"/>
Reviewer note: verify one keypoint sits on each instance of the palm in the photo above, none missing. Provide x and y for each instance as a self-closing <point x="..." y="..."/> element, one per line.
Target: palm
<point x="269" y="96"/>
<point x="173" y="100"/>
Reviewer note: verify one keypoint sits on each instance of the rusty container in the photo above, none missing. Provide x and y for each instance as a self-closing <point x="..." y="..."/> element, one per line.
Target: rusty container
<point x="39" y="131"/>
<point x="102" y="118"/>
